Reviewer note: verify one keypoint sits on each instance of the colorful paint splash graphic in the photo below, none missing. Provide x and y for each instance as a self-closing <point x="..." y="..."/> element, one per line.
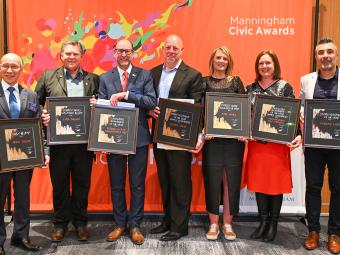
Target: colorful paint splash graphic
<point x="98" y="35"/>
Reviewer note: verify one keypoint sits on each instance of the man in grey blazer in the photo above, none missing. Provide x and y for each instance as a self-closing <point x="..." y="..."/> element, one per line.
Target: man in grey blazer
<point x="16" y="102"/>
<point x="133" y="85"/>
<point x="71" y="160"/>
<point x="324" y="84"/>
<point x="174" y="79"/>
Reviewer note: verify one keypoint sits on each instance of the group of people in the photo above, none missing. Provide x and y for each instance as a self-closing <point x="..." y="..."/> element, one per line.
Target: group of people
<point x="267" y="169"/>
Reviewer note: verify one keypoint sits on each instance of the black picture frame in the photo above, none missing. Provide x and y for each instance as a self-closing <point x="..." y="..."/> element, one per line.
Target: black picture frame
<point x="321" y="124"/>
<point x="227" y="115"/>
<point x="113" y="129"/>
<point x="275" y="119"/>
<point x="22" y="146"/>
<point x="70" y="110"/>
<point x="184" y="119"/>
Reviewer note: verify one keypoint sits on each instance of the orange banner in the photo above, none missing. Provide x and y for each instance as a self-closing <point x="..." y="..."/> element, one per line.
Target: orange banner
<point x="36" y="30"/>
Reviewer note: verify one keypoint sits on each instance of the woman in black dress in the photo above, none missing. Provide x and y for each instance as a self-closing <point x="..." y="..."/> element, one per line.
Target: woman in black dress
<point x="222" y="157"/>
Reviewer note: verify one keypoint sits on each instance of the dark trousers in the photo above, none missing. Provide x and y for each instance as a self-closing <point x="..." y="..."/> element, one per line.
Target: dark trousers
<point x="315" y="163"/>
<point x="137" y="165"/>
<point x="74" y="162"/>
<point x="174" y="172"/>
<point x="21" y="185"/>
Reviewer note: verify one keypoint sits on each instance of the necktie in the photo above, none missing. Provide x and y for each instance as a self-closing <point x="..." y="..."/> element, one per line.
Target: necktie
<point x="125" y="80"/>
<point x="13" y="104"/>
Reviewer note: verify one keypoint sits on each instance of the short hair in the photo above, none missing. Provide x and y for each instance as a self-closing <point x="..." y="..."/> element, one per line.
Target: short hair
<point x="277" y="68"/>
<point x="73" y="43"/>
<point x="226" y="51"/>
<point x="325" y="40"/>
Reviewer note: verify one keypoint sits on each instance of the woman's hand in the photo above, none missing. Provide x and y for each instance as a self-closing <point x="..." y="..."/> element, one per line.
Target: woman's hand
<point x="296" y="142"/>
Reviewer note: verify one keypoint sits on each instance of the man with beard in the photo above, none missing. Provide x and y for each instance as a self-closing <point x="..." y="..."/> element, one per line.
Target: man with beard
<point x="324" y="84"/>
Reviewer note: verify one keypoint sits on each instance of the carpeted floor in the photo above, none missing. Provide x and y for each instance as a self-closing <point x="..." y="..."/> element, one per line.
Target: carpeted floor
<point x="289" y="239"/>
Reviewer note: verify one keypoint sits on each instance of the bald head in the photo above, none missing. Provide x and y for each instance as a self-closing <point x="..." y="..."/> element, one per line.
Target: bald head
<point x="11" y="57"/>
<point x="173" y="49"/>
<point x="10" y="68"/>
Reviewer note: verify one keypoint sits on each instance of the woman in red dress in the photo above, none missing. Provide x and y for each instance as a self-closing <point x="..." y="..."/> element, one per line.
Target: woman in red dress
<point x="268" y="171"/>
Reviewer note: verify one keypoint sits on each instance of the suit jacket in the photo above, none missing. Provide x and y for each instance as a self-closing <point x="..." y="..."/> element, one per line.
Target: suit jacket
<point x="53" y="84"/>
<point x="141" y="93"/>
<point x="29" y="107"/>
<point x="308" y="82"/>
<point x="187" y="83"/>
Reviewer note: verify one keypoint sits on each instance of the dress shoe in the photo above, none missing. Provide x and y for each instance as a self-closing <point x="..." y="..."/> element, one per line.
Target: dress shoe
<point x="58" y="234"/>
<point x="334" y="244"/>
<point x="160" y="229"/>
<point x="82" y="233"/>
<point x="25" y="244"/>
<point x="136" y="236"/>
<point x="117" y="232"/>
<point x="173" y="236"/>
<point x="2" y="250"/>
<point x="312" y="240"/>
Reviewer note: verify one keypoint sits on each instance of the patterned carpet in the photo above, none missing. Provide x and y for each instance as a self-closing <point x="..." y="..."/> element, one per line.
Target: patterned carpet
<point x="288" y="241"/>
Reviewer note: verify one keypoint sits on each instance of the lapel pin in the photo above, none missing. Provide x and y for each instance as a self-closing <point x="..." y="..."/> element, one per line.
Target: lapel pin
<point x="133" y="75"/>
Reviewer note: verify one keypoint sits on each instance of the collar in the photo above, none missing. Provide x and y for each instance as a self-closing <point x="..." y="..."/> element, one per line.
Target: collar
<point x="79" y="76"/>
<point x="121" y="71"/>
<point x="5" y="85"/>
<point x="173" y="69"/>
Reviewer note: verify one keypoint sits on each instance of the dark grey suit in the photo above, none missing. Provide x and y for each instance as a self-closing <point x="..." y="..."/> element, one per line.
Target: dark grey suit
<point x="29" y="108"/>
<point x="142" y="94"/>
<point x="68" y="160"/>
<point x="174" y="167"/>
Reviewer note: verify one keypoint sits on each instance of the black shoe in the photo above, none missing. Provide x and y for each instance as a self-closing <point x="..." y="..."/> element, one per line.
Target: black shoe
<point x="270" y="234"/>
<point x="160" y="229"/>
<point x="173" y="236"/>
<point x="25" y="244"/>
<point x="261" y="229"/>
<point x="2" y="250"/>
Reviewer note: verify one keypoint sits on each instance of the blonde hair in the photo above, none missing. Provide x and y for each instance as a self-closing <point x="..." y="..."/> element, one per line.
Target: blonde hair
<point x="226" y="51"/>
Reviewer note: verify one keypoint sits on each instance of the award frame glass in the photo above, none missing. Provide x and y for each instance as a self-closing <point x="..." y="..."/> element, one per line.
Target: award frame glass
<point x="275" y="119"/>
<point x="321" y="124"/>
<point x="22" y="146"/>
<point x="227" y="115"/>
<point x="64" y="111"/>
<point x="113" y="129"/>
<point x="178" y="123"/>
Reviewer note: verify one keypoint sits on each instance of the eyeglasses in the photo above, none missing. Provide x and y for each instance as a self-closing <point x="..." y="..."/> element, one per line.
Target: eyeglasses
<point x="13" y="67"/>
<point x="126" y="51"/>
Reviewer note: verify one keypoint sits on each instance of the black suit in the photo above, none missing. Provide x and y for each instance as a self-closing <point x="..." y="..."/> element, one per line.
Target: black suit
<point x="68" y="160"/>
<point x="21" y="179"/>
<point x="174" y="167"/>
<point x="142" y="94"/>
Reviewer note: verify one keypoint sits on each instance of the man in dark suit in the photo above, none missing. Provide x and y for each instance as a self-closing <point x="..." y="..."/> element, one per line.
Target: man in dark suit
<point x="16" y="102"/>
<point x="174" y="79"/>
<point x="133" y="85"/>
<point x="72" y="159"/>
<point x="325" y="85"/>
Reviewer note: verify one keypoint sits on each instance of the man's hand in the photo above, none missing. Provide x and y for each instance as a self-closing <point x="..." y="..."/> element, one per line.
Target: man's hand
<point x="154" y="113"/>
<point x="93" y="101"/>
<point x="45" y="117"/>
<point x="115" y="98"/>
<point x="199" y="145"/>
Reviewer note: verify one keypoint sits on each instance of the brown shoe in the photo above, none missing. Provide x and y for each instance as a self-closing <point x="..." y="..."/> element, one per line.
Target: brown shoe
<point x="136" y="236"/>
<point x="82" y="233"/>
<point x="58" y="234"/>
<point x="312" y="240"/>
<point x="117" y="232"/>
<point x="334" y="244"/>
